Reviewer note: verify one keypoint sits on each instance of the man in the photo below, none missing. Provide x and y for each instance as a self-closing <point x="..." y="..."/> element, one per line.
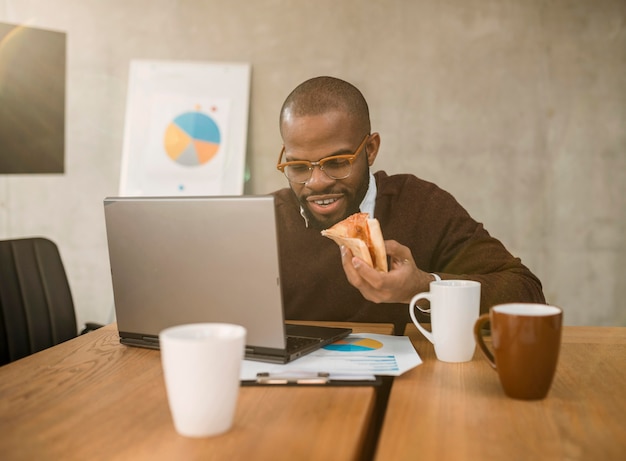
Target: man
<point x="428" y="235"/>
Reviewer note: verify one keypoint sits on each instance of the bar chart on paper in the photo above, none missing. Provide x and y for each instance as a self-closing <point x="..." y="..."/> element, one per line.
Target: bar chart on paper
<point x="192" y="139"/>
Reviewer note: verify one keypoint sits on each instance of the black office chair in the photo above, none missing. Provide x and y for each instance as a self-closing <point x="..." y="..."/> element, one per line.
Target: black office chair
<point x="36" y="306"/>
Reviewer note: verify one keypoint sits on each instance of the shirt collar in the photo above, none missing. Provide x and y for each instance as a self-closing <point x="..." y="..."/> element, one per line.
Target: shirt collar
<point x="367" y="205"/>
<point x="369" y="201"/>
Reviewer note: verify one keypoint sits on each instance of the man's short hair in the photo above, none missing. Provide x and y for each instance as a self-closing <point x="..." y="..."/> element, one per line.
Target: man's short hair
<point x="319" y="95"/>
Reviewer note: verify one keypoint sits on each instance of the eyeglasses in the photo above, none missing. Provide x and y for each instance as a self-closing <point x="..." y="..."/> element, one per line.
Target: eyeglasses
<point x="335" y="167"/>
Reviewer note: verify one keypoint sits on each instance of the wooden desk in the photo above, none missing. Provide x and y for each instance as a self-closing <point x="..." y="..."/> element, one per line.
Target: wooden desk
<point x="92" y="398"/>
<point x="443" y="411"/>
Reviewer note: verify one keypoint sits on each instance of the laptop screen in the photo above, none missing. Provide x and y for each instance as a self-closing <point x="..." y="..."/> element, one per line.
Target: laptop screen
<point x="177" y="260"/>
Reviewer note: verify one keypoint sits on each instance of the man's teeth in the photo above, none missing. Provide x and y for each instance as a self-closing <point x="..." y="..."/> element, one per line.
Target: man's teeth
<point x="327" y="201"/>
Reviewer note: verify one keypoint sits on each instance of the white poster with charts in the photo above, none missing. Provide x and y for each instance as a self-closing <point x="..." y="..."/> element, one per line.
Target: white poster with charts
<point x="186" y="128"/>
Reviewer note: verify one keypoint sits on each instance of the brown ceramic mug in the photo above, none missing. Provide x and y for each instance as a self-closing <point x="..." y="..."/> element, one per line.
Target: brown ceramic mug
<point x="526" y="340"/>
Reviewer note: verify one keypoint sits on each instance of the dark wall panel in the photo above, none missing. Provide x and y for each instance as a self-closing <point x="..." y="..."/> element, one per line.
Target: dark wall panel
<point x="32" y="100"/>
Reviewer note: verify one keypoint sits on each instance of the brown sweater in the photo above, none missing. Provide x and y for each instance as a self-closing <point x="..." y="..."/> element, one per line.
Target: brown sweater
<point x="442" y="236"/>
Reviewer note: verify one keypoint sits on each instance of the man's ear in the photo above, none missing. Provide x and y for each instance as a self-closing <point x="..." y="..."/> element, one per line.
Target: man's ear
<point x="372" y="146"/>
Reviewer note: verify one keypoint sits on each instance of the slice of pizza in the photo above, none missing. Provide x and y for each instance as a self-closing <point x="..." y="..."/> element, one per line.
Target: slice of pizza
<point x="362" y="235"/>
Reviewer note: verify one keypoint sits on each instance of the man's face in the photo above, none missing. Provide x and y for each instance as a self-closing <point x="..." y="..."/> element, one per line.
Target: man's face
<point x="326" y="201"/>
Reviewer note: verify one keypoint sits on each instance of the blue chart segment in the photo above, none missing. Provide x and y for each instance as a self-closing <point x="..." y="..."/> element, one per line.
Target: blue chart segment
<point x="354" y="345"/>
<point x="192" y="139"/>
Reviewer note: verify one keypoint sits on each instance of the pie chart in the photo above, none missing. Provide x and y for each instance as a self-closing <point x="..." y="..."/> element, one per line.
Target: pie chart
<point x="354" y="344"/>
<point x="192" y="139"/>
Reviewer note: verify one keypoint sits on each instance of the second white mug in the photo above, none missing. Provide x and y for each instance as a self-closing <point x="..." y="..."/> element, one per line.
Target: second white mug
<point x="454" y="308"/>
<point x="201" y="366"/>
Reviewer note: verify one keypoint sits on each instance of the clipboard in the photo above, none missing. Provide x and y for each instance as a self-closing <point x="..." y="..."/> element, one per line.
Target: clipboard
<point x="310" y="379"/>
<point x="367" y="361"/>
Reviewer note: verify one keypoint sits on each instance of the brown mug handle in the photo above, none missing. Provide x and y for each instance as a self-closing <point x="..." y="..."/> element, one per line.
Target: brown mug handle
<point x="480" y="341"/>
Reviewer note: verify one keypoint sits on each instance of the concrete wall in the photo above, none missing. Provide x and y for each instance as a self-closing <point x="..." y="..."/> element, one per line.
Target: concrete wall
<point x="516" y="107"/>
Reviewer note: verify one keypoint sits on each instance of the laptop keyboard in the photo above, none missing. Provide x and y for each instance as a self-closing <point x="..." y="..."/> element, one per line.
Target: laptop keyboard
<point x="296" y="342"/>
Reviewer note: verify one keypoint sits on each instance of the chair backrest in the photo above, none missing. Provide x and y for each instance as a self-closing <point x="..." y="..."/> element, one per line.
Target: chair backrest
<point x="36" y="306"/>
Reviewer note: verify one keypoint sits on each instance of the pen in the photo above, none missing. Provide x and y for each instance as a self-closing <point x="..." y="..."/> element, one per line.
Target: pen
<point x="317" y="378"/>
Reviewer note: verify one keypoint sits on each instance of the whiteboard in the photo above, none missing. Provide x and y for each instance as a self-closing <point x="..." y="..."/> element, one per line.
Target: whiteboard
<point x="185" y="129"/>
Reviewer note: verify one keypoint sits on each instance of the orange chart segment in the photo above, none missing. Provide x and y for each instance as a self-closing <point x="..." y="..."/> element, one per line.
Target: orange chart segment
<point x="354" y="344"/>
<point x="205" y="150"/>
<point x="176" y="141"/>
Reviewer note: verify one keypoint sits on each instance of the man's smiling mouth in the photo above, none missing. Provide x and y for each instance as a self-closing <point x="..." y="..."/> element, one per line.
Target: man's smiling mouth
<point x="325" y="202"/>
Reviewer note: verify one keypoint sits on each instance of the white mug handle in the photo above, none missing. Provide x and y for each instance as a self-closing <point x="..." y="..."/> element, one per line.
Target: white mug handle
<point x="412" y="306"/>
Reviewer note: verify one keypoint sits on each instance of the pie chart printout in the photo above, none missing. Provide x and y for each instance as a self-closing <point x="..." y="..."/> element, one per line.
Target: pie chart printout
<point x="354" y="344"/>
<point x="192" y="139"/>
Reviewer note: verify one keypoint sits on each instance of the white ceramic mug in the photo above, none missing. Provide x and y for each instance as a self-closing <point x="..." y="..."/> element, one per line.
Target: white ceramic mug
<point x="201" y="366"/>
<point x="454" y="308"/>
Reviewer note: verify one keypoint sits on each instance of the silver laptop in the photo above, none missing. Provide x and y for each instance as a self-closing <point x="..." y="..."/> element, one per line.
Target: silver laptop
<point x="177" y="260"/>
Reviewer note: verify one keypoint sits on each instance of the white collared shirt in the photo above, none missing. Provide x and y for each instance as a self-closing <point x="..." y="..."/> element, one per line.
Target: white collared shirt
<point x="369" y="201"/>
